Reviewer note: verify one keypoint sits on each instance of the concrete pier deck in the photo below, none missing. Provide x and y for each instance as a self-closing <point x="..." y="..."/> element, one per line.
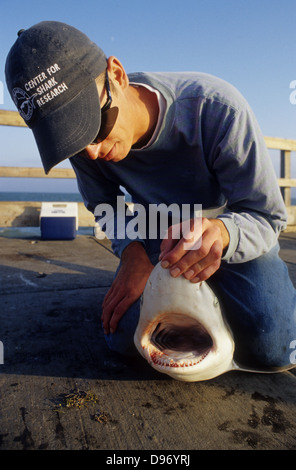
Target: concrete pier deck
<point x="62" y="389"/>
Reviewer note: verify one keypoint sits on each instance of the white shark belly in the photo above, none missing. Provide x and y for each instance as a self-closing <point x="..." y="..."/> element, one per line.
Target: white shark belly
<point x="182" y="331"/>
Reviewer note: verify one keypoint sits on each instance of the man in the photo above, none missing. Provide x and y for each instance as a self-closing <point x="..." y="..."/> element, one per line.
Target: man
<point x="167" y="138"/>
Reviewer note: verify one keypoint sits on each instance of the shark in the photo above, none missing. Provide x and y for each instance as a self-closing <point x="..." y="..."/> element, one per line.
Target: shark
<point x="182" y="330"/>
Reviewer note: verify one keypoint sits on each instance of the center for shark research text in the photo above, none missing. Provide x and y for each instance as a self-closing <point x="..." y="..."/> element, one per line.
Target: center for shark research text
<point x="153" y="459"/>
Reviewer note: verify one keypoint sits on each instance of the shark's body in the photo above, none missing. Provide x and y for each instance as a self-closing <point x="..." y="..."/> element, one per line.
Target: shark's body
<point x="182" y="331"/>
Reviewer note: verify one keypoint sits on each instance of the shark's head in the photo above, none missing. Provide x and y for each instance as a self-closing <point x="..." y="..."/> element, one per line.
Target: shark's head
<point x="181" y="330"/>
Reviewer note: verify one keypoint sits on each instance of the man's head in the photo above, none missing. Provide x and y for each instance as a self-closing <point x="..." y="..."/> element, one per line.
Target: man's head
<point x="51" y="73"/>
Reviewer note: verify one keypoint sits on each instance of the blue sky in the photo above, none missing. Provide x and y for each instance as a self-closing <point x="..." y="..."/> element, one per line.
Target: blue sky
<point x="250" y="43"/>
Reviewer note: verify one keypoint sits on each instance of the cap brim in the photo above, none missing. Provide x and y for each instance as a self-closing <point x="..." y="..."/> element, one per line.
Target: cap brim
<point x="69" y="129"/>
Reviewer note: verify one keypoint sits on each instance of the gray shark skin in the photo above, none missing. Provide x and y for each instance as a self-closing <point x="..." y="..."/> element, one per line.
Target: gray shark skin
<point x="182" y="331"/>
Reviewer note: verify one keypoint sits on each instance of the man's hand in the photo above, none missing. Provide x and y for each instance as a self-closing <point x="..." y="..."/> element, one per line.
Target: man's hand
<point x="128" y="285"/>
<point x="196" y="264"/>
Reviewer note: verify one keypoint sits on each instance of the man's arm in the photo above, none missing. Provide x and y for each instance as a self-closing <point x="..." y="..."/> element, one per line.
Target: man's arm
<point x="128" y="285"/>
<point x="196" y="264"/>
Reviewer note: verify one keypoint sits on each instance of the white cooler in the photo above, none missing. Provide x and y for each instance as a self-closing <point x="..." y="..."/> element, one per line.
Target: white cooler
<point x="58" y="220"/>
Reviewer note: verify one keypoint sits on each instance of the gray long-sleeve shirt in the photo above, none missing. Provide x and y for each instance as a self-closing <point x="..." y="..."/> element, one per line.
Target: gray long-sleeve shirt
<point x="209" y="150"/>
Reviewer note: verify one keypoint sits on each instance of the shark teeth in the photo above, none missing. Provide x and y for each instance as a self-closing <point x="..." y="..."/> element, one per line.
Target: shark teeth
<point x="176" y="341"/>
<point x="162" y="360"/>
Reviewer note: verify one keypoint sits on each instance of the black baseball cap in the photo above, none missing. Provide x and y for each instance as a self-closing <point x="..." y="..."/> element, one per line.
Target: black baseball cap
<point x="50" y="74"/>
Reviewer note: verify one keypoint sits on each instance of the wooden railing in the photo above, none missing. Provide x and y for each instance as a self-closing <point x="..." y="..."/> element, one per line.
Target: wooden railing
<point x="285" y="146"/>
<point x="35" y="172"/>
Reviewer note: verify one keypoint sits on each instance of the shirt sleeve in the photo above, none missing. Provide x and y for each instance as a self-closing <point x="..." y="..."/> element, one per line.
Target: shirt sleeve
<point x="104" y="198"/>
<point x="256" y="212"/>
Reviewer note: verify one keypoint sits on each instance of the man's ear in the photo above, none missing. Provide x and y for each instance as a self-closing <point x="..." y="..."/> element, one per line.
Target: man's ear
<point x="117" y="73"/>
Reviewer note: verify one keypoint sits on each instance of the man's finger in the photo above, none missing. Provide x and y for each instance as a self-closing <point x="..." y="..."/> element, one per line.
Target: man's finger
<point x="167" y="243"/>
<point x="118" y="313"/>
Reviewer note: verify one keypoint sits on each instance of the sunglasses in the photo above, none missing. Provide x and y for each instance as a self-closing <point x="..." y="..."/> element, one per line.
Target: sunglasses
<point x="108" y="115"/>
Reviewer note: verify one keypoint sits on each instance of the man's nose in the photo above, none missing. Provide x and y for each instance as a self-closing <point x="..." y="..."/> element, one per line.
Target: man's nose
<point x="92" y="151"/>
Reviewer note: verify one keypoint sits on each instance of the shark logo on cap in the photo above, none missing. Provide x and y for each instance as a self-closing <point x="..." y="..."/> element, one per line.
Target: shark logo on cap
<point x="24" y="102"/>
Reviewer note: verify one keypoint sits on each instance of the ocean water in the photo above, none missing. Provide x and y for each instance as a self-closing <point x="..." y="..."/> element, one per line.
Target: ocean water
<point x="61" y="196"/>
<point x="34" y="232"/>
<point x="39" y="196"/>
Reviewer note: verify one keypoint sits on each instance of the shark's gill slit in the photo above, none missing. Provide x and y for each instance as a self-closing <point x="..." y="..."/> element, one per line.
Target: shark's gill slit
<point x="182" y="339"/>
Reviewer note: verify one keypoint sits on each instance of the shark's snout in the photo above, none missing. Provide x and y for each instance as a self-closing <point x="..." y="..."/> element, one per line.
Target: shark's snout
<point x="181" y="330"/>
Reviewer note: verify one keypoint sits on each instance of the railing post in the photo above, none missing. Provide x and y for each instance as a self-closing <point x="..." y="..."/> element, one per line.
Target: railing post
<point x="286" y="173"/>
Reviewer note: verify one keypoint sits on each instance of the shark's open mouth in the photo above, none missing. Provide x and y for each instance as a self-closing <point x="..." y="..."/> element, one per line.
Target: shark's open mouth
<point x="178" y="341"/>
<point x="181" y="330"/>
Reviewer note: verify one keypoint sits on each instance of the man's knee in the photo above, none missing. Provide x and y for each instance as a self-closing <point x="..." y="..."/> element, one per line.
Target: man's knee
<point x="122" y="340"/>
<point x="121" y="343"/>
<point x="259" y="303"/>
